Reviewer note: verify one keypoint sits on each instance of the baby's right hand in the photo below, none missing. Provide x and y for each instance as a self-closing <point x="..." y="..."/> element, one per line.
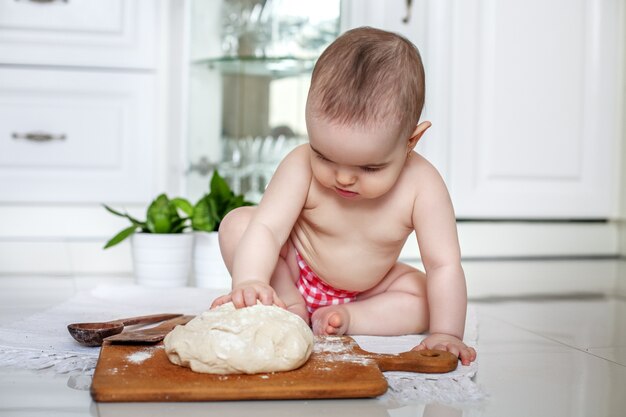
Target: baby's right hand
<point x="247" y="293"/>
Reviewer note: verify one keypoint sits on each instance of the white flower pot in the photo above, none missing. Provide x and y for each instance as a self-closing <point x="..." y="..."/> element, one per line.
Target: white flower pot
<point x="208" y="265"/>
<point x="162" y="260"/>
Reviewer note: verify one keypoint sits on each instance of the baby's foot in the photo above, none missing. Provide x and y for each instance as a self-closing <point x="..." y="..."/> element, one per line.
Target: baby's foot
<point x="330" y="321"/>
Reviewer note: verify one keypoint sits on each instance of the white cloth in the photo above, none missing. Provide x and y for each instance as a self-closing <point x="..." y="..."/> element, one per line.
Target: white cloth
<point x="456" y="387"/>
<point x="42" y="341"/>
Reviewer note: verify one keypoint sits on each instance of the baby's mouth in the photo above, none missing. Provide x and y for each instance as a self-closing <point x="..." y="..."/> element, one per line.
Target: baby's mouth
<point x="345" y="193"/>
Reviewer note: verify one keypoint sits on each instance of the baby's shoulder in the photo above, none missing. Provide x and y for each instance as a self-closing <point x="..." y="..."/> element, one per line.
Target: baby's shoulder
<point x="420" y="172"/>
<point x="298" y="159"/>
<point x="300" y="152"/>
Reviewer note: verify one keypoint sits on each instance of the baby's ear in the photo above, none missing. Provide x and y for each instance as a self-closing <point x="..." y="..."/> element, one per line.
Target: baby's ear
<point x="417" y="134"/>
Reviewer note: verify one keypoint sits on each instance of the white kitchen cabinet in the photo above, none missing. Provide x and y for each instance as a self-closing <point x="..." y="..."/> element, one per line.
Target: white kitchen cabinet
<point x="76" y="136"/>
<point x="88" y="33"/>
<point x="524" y="96"/>
<point x="90" y="98"/>
<point x="79" y="101"/>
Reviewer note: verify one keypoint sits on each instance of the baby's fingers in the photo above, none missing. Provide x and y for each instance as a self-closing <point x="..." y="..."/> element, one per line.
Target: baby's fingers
<point x="266" y="298"/>
<point x="467" y="355"/>
<point x="220" y="300"/>
<point x="270" y="298"/>
<point x="453" y="349"/>
<point x="237" y="297"/>
<point x="440" y="346"/>
<point x="250" y="296"/>
<point x="419" y="347"/>
<point x="464" y="353"/>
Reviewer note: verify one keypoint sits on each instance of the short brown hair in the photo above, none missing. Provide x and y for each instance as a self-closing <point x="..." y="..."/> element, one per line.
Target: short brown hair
<point x="369" y="76"/>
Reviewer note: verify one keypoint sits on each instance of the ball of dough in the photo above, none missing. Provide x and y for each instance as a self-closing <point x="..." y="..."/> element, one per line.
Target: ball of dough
<point x="248" y="340"/>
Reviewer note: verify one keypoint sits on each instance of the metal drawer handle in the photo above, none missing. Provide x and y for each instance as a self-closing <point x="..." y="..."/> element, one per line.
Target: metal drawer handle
<point x="406" y="19"/>
<point x="38" y="136"/>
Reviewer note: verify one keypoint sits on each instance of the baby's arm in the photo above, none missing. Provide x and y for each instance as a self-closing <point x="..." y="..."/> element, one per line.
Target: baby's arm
<point x="258" y="250"/>
<point x="435" y="225"/>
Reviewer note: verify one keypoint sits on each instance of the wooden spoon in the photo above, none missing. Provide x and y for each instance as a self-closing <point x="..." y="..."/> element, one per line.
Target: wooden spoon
<point x="92" y="334"/>
<point x="152" y="335"/>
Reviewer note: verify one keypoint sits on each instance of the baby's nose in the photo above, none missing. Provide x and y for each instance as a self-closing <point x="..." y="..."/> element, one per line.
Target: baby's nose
<point x="345" y="177"/>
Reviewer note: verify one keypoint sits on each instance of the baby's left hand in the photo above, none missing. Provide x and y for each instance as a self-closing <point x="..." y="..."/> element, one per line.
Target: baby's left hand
<point x="440" y="341"/>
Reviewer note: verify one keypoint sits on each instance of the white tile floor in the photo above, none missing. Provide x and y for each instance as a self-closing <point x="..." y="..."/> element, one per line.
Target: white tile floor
<point x="553" y="357"/>
<point x="538" y="356"/>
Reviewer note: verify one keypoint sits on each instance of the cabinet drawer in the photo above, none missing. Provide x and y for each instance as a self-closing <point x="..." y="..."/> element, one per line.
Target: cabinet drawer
<point x="107" y="33"/>
<point x="71" y="136"/>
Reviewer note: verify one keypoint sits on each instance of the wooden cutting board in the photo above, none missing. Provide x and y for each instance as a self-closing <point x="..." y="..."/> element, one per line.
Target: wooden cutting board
<point x="337" y="368"/>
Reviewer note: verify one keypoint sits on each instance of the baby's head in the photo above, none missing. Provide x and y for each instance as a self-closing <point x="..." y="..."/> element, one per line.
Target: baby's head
<point x="368" y="78"/>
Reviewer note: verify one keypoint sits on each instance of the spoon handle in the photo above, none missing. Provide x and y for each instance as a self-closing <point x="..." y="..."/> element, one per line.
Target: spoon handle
<point x="152" y="335"/>
<point x="154" y="318"/>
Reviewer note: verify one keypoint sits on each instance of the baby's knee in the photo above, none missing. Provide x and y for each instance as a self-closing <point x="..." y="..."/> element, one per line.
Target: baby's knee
<point x="414" y="282"/>
<point x="233" y="226"/>
<point x="236" y="221"/>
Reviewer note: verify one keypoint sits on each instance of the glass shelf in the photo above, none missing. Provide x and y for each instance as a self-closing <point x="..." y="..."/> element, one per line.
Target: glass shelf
<point x="249" y="78"/>
<point x="275" y="67"/>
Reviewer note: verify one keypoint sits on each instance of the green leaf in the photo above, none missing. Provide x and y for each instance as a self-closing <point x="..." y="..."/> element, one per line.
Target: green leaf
<point x="179" y="224"/>
<point x="135" y="221"/>
<point x="236" y="202"/>
<point x="110" y="210"/>
<point x="220" y="191"/>
<point x="126" y="215"/>
<point x="214" y="210"/>
<point x="183" y="205"/>
<point x="211" y="209"/>
<point x="203" y="218"/>
<point x="120" y="236"/>
<point x="160" y="215"/>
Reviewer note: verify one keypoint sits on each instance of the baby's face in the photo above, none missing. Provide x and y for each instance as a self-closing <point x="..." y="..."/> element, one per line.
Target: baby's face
<point x="355" y="162"/>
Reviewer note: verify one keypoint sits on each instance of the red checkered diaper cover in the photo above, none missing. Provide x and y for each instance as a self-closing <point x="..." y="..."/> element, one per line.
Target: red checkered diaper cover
<point x="316" y="292"/>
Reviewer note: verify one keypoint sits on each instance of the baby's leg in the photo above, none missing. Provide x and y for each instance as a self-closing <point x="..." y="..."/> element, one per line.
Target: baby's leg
<point x="286" y="273"/>
<point x="397" y="305"/>
<point x="284" y="281"/>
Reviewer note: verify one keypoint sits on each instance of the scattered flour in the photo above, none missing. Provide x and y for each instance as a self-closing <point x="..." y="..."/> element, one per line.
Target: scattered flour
<point x="335" y="349"/>
<point x="139" y="357"/>
<point x="142" y="355"/>
<point x="329" y="344"/>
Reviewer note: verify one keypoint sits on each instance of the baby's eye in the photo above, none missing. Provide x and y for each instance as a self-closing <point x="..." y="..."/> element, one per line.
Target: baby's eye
<point x="321" y="157"/>
<point x="370" y="169"/>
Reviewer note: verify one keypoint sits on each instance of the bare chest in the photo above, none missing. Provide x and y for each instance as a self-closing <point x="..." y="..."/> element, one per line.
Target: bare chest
<point x="382" y="223"/>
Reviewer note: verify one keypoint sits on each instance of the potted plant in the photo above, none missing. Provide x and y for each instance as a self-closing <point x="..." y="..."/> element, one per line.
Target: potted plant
<point x="161" y="251"/>
<point x="211" y="208"/>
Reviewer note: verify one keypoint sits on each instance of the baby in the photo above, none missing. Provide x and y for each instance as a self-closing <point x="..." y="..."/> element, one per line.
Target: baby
<point x="325" y="239"/>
